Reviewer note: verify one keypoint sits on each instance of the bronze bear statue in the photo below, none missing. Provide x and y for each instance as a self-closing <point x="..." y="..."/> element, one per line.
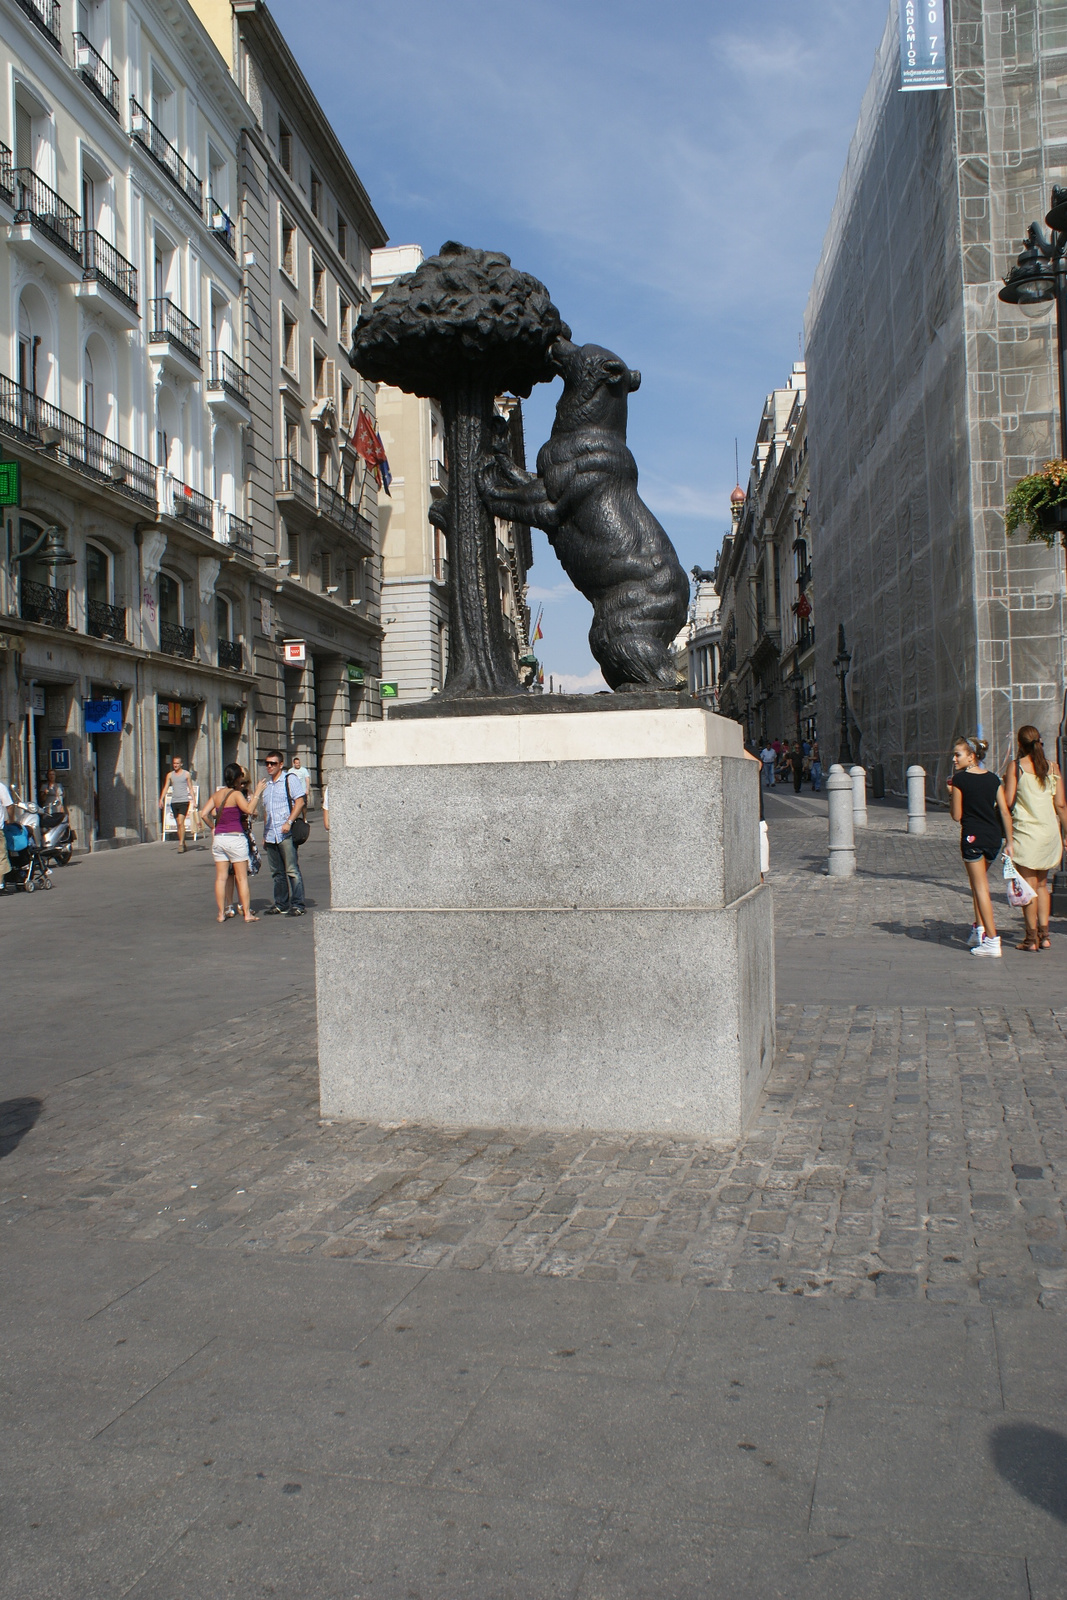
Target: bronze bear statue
<point x="584" y="495"/>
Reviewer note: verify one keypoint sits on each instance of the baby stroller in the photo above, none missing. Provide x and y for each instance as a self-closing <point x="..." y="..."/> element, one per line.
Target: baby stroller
<point x="28" y="870"/>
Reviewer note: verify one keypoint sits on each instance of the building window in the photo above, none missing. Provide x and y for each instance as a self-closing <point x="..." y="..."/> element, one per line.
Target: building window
<point x="439" y="555"/>
<point x="346" y="405"/>
<point x="292" y="438"/>
<point x="327" y="571"/>
<point x="293" y="540"/>
<point x="318" y="288"/>
<point x="97" y="575"/>
<point x="320" y="373"/>
<point x="342" y="237"/>
<point x="288" y="255"/>
<point x="223" y="619"/>
<point x="285" y="148"/>
<point x="344" y="321"/>
<point x="316" y="196"/>
<point x="170" y="600"/>
<point x="290" y="343"/>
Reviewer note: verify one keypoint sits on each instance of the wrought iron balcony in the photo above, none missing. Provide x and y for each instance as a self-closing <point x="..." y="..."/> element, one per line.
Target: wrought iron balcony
<point x="34" y="421"/>
<point x="176" y="641"/>
<point x="165" y="155"/>
<point x="224" y="373"/>
<point x="171" y="326"/>
<point x="295" y="483"/>
<point x="94" y="70"/>
<point x="239" y="532"/>
<point x="39" y="603"/>
<point x="42" y="208"/>
<point x="222" y="226"/>
<point x="106" y="622"/>
<point x="45" y="13"/>
<point x="231" y="654"/>
<point x="103" y="263"/>
<point x="192" y="506"/>
<point x="7" y="176"/>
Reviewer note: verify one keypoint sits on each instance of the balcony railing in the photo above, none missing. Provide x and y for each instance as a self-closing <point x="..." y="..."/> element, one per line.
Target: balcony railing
<point x="192" y="506"/>
<point x="24" y="416"/>
<point x="171" y="326"/>
<point x="222" y="226"/>
<point x="106" y="622"/>
<point x="94" y="70"/>
<point x="39" y="603"/>
<point x="292" y="481"/>
<point x="7" y="176"/>
<point x="231" y="654"/>
<point x="224" y="373"/>
<point x="165" y="155"/>
<point x="103" y="263"/>
<point x="239" y="532"/>
<point x="40" y="206"/>
<point x="438" y="474"/>
<point x="176" y="641"/>
<point x="45" y="13"/>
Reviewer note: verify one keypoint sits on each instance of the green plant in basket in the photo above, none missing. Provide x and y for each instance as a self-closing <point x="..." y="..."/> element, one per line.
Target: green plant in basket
<point x="1032" y="500"/>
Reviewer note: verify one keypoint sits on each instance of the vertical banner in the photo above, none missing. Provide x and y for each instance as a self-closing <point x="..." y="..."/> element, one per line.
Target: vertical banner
<point x="923" y="62"/>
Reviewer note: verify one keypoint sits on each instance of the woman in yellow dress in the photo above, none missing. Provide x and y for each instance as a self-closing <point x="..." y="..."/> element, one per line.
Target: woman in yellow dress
<point x="1033" y="788"/>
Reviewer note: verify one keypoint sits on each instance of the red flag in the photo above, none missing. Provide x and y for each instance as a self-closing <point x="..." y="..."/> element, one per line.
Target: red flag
<point x="368" y="445"/>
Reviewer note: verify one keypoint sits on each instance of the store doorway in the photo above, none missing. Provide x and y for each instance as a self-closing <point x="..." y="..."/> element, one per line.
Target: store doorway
<point x="232" y="727"/>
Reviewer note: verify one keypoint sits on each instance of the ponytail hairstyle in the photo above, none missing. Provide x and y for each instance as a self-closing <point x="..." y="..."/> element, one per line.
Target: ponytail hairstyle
<point x="1030" y="745"/>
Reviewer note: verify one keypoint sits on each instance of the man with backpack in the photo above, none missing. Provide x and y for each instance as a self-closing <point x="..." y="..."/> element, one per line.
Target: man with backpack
<point x="285" y="829"/>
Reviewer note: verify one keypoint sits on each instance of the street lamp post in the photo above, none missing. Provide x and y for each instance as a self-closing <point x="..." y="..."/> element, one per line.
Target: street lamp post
<point x="842" y="662"/>
<point x="1038" y="278"/>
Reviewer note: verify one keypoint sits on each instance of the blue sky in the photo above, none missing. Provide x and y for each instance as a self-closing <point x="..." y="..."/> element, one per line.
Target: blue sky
<point x="667" y="170"/>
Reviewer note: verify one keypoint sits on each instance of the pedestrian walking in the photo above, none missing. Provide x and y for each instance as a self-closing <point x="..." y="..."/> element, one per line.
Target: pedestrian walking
<point x="7" y="818"/>
<point x="980" y="807"/>
<point x="816" y="770"/>
<point x="177" y="785"/>
<point x="1033" y="788"/>
<point x="768" y="755"/>
<point x="281" y="810"/>
<point x="796" y="761"/>
<point x="229" y="845"/>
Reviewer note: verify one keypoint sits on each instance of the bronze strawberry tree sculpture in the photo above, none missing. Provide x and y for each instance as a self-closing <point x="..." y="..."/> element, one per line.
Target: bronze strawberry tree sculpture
<point x="462" y="329"/>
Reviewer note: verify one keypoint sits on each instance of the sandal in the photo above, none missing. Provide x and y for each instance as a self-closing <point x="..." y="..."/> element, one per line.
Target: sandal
<point x="1030" y="942"/>
<point x="1043" y="940"/>
<point x="230" y="912"/>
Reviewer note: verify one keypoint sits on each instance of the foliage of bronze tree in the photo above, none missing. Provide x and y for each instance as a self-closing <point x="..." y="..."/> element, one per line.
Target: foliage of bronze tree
<point x="462" y="329"/>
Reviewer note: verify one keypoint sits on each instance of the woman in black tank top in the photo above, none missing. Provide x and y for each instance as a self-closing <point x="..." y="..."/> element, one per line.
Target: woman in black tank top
<point x="980" y="807"/>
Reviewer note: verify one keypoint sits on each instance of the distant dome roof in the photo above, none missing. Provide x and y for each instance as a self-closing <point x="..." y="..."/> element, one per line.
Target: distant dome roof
<point x="737" y="498"/>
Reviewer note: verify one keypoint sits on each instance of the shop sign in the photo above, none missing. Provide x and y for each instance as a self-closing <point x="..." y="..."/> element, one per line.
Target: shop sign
<point x="355" y="674"/>
<point x="923" y="63"/>
<point x="59" y="757"/>
<point x="37" y="701"/>
<point x="176" y="714"/>
<point x="10" y="483"/>
<point x="389" y="691"/>
<point x="103" y="716"/>
<point x="294" y="652"/>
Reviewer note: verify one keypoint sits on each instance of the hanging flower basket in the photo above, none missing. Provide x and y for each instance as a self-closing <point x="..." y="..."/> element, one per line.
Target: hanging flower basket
<point x="1039" y="502"/>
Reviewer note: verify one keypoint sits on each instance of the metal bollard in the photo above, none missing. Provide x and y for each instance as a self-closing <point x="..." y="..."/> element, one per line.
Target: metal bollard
<point x="859" y="796"/>
<point x="842" y="862"/>
<point x="916" y="800"/>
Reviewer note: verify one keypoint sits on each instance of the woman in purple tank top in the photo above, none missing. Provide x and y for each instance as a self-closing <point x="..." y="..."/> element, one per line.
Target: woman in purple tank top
<point x="230" y="844"/>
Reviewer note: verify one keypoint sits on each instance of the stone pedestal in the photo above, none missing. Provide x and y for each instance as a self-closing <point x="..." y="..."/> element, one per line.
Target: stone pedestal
<point x="547" y="922"/>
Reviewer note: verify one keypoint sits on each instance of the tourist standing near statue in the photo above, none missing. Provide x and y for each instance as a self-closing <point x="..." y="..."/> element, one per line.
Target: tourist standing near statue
<point x="230" y="844"/>
<point x="981" y="809"/>
<point x="1033" y="788"/>
<point x="768" y="755"/>
<point x="179" y="788"/>
<point x="282" y="809"/>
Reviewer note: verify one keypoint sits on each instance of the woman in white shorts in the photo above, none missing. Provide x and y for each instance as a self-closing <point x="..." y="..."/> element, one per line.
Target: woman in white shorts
<point x="229" y="845"/>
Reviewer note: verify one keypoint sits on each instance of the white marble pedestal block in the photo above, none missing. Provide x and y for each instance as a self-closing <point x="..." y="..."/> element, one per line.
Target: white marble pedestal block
<point x="547" y="921"/>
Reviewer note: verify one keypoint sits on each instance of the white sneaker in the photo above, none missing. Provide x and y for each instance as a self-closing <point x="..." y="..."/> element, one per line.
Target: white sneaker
<point x="987" y="947"/>
<point x="976" y="935"/>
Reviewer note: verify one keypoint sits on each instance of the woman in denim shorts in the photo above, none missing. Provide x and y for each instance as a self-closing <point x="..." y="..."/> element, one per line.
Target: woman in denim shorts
<point x="229" y="847"/>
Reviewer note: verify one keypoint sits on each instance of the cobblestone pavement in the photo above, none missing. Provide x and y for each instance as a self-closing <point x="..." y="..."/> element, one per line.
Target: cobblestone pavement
<point x="899" y="1152"/>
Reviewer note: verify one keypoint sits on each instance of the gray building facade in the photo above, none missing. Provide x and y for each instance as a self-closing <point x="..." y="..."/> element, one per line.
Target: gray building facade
<point x="928" y="398"/>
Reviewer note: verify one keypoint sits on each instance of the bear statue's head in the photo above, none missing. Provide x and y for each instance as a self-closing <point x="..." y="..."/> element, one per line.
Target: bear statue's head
<point x="596" y="383"/>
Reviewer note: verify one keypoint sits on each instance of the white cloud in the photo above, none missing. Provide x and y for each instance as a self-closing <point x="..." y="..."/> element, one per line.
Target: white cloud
<point x="536" y="595"/>
<point x="571" y="683"/>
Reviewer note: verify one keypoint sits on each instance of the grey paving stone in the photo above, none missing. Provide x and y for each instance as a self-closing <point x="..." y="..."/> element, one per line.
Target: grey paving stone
<point x="564" y="1438"/>
<point x="1032" y="1360"/>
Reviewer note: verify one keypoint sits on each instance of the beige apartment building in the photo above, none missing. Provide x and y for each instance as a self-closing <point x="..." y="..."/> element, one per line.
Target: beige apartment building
<point x="308" y="231"/>
<point x="127" y="637"/>
<point x="414" y="558"/>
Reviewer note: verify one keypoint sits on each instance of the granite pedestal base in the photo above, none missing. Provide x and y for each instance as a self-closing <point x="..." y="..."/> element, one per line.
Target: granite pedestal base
<point x="580" y="942"/>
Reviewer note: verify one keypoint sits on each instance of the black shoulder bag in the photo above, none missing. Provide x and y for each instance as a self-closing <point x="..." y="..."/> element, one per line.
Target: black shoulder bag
<point x="301" y="827"/>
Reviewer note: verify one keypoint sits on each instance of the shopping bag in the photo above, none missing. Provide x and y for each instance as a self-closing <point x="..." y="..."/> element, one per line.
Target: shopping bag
<point x="1019" y="891"/>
